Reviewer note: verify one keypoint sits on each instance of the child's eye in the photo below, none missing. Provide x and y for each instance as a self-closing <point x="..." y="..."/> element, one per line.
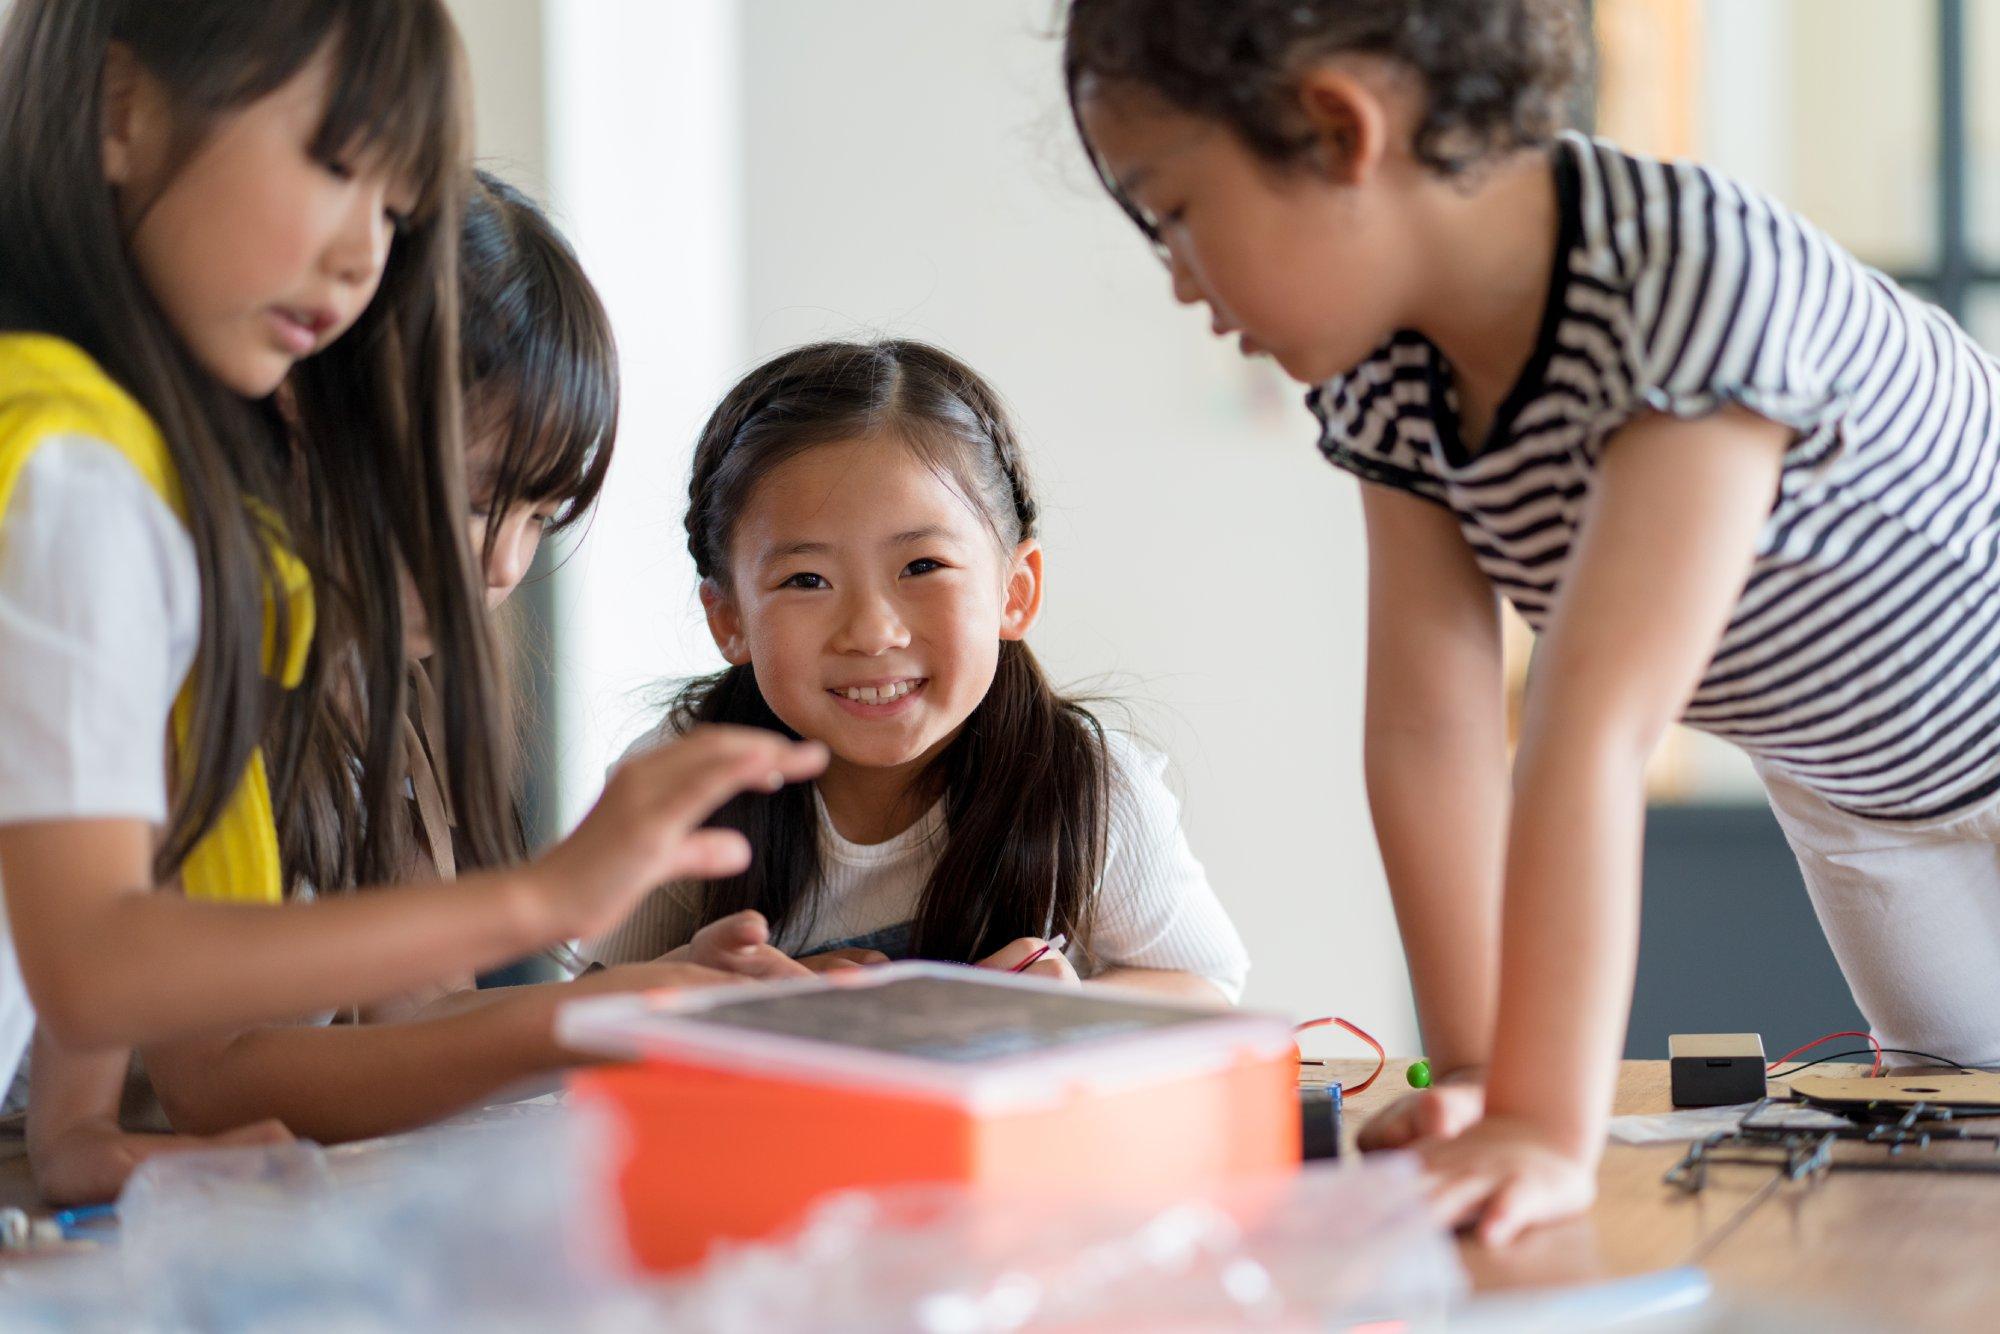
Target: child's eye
<point x="1156" y="224"/>
<point x="807" y="581"/>
<point x="923" y="565"/>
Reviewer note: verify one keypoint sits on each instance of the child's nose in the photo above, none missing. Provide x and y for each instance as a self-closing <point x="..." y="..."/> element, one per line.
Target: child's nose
<point x="873" y="626"/>
<point x="511" y="557"/>
<point x="360" y="249"/>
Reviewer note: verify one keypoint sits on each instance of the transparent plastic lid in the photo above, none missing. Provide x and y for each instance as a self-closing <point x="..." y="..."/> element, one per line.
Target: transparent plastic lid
<point x="967" y="1034"/>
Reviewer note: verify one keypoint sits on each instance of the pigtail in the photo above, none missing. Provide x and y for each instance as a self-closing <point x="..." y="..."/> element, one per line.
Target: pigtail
<point x="1026" y="783"/>
<point x="782" y="826"/>
<point x="1027" y="812"/>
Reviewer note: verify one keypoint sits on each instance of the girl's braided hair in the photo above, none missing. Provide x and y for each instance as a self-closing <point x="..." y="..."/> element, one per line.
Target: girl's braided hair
<point x="834" y="391"/>
<point x="1026" y="782"/>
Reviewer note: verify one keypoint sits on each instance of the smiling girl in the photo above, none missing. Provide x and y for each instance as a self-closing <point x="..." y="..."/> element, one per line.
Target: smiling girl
<point x="864" y="529"/>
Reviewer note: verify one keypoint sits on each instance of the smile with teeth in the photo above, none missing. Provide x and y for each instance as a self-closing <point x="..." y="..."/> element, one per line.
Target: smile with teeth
<point x="886" y="694"/>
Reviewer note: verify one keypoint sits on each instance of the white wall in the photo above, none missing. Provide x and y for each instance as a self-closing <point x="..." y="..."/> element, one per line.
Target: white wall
<point x="742" y="175"/>
<point x="645" y="165"/>
<point x="909" y="169"/>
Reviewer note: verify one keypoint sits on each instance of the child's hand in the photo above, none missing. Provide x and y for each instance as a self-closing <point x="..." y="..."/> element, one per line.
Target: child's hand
<point x="645" y="829"/>
<point x="834" y="960"/>
<point x="739" y="943"/>
<point x="1427" y="1115"/>
<point x="1052" y="965"/>
<point x="661" y="974"/>
<point x="1503" y="1176"/>
<point x="89" y="1162"/>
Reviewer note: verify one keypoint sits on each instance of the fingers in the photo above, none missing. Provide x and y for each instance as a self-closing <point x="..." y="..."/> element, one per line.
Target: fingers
<point x="1015" y="953"/>
<point x="1447" y="1112"/>
<point x="739" y="943"/>
<point x="1503" y="1182"/>
<point x="1440" y="1113"/>
<point x="709" y="854"/>
<point x="1510" y="1209"/>
<point x="738" y="931"/>
<point x="260" y="1132"/>
<point x="840" y="959"/>
<point x="691" y="778"/>
<point x="1394" y="1127"/>
<point x="1456" y="1200"/>
<point x="652" y="977"/>
<point x="765" y="962"/>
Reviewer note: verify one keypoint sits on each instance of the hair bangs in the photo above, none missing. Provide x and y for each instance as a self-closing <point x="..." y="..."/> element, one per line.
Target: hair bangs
<point x="397" y="91"/>
<point x="552" y="424"/>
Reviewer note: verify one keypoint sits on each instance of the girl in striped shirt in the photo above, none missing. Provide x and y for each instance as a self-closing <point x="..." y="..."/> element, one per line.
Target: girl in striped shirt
<point x="1730" y="476"/>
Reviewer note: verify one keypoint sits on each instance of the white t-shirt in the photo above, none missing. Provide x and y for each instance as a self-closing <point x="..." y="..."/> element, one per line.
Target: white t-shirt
<point x="1154" y="906"/>
<point x="100" y="616"/>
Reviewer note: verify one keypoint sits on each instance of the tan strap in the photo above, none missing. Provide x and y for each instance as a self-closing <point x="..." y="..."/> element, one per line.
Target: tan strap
<point x="425" y="749"/>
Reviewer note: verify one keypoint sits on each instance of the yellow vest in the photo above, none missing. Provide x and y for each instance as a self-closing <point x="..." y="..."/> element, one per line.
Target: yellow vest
<point x="50" y="387"/>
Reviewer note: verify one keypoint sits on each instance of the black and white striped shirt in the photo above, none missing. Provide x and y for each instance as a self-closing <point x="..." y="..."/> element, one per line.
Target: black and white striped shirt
<point x="1863" y="658"/>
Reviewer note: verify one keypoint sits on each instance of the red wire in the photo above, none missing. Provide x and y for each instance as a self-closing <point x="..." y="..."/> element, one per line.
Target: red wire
<point x="1381" y="1057"/>
<point x="1869" y="1038"/>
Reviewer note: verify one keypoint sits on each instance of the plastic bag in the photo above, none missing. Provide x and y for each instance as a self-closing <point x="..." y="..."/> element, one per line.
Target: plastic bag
<point x="509" y="1226"/>
<point x="487" y="1226"/>
<point x="1334" y="1245"/>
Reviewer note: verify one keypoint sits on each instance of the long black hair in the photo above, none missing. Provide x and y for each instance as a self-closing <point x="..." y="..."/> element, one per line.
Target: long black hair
<point x="539" y="371"/>
<point x="369" y="480"/>
<point x="540" y="364"/>
<point x="1025" y="784"/>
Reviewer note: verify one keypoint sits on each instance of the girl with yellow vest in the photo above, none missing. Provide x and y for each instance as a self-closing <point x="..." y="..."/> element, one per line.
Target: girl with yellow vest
<point x="198" y="201"/>
<point x="540" y="379"/>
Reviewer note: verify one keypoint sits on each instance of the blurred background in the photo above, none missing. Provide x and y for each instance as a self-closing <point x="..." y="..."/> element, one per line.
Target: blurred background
<point x="743" y="175"/>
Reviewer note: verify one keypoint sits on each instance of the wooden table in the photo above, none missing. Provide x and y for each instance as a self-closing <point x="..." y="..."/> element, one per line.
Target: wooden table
<point x="1902" y="1252"/>
<point x="1907" y="1252"/>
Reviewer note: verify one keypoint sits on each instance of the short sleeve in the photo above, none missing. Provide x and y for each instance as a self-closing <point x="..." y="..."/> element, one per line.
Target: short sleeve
<point x="100" y="615"/>
<point x="1379" y="422"/>
<point x="1155" y="907"/>
<point x="1745" y="304"/>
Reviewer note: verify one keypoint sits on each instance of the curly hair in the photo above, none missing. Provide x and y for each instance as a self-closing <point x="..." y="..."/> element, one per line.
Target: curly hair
<point x="1498" y="74"/>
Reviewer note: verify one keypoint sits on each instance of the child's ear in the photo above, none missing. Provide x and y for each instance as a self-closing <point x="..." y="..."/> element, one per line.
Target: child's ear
<point x="130" y="133"/>
<point x="1349" y="119"/>
<point x="725" y="623"/>
<point x="1024" y="592"/>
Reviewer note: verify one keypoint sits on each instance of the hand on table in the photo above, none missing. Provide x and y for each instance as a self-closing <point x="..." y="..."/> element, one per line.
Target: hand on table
<point x="1051" y="965"/>
<point x="1504" y="1175"/>
<point x="90" y="1161"/>
<point x="1426" y="1115"/>
<point x="657" y="975"/>
<point x="739" y="943"/>
<point x="834" y="960"/>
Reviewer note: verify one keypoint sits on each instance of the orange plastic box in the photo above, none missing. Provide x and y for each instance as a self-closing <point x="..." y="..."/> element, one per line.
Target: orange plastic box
<point x="746" y="1105"/>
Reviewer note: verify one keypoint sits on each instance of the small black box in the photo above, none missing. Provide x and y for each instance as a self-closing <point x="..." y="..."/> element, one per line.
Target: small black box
<point x="1715" y="1069"/>
<point x="1319" y="1120"/>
